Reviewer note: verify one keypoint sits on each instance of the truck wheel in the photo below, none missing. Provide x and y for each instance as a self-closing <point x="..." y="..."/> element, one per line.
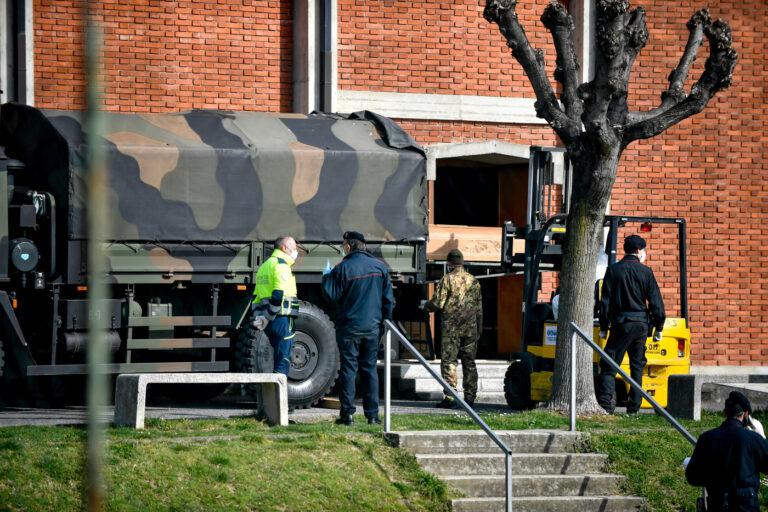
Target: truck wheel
<point x="314" y="359"/>
<point x="517" y="386"/>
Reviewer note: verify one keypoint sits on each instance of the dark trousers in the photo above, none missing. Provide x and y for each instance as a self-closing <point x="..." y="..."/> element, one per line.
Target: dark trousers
<point x="736" y="500"/>
<point x="627" y="337"/>
<point x="281" y="334"/>
<point x="359" y="353"/>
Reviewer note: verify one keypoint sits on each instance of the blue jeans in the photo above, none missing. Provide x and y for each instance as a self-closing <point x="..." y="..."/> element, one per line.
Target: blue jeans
<point x="280" y="332"/>
<point x="359" y="353"/>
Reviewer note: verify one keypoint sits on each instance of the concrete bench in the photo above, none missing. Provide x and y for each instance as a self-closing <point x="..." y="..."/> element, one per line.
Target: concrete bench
<point x="685" y="391"/>
<point x="131" y="393"/>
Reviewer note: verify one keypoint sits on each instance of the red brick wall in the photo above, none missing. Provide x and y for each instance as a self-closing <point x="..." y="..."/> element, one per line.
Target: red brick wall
<point x="169" y="56"/>
<point x="433" y="132"/>
<point x="710" y="169"/>
<point x="423" y="46"/>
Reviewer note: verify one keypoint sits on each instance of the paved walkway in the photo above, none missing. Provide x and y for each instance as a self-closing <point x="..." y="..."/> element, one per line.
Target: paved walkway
<point x="225" y="407"/>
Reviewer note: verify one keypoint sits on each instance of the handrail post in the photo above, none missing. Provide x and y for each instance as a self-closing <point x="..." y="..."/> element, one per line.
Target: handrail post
<point x="509" y="482"/>
<point x="391" y="328"/>
<point x="617" y="368"/>
<point x="573" y="382"/>
<point x="388" y="379"/>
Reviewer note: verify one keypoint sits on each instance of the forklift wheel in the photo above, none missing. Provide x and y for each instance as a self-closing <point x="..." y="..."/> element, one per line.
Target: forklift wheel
<point x="517" y="386"/>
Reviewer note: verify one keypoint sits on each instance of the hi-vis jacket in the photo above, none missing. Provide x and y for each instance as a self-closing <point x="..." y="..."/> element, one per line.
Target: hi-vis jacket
<point x="275" y="291"/>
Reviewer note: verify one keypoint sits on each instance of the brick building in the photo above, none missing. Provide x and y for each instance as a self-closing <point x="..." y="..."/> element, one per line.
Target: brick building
<point x="445" y="75"/>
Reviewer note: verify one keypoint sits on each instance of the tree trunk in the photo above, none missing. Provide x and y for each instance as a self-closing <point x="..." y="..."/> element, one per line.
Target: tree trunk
<point x="577" y="278"/>
<point x="595" y="124"/>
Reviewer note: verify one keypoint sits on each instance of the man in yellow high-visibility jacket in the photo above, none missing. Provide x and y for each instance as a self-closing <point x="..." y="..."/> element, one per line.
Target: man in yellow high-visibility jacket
<point x="275" y="304"/>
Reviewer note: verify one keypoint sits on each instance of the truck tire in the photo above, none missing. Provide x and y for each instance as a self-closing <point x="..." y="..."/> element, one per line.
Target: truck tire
<point x="517" y="385"/>
<point x="314" y="359"/>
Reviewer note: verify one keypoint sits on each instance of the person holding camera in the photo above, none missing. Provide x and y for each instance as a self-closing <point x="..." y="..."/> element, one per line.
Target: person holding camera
<point x="728" y="460"/>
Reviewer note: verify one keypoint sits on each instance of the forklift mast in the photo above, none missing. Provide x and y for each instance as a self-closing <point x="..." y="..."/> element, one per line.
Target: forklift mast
<point x="544" y="233"/>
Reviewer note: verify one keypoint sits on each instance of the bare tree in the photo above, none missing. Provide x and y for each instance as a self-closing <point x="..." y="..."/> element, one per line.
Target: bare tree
<point x="595" y="124"/>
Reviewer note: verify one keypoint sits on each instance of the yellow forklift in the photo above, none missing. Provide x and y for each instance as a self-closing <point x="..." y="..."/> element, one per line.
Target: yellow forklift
<point x="528" y="379"/>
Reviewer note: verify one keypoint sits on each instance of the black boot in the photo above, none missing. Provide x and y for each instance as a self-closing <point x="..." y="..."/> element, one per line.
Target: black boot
<point x="345" y="419"/>
<point x="447" y="403"/>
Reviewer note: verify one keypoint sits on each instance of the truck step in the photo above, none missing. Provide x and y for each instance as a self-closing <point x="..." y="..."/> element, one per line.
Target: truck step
<point x="178" y="321"/>
<point x="171" y="343"/>
<point x="80" y="369"/>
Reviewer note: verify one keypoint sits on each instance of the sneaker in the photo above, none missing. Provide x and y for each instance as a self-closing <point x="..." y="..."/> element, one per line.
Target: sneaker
<point x="374" y="421"/>
<point x="447" y="404"/>
<point x="345" y="419"/>
<point x="470" y="403"/>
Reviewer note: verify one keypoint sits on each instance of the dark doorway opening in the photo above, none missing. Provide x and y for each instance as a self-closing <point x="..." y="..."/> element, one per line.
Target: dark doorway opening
<point x="482" y="194"/>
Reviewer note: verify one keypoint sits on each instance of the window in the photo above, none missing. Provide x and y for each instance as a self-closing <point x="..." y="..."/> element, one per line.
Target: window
<point x="15" y="51"/>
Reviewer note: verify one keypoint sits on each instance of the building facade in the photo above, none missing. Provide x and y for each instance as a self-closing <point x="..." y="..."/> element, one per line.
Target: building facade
<point x="445" y="74"/>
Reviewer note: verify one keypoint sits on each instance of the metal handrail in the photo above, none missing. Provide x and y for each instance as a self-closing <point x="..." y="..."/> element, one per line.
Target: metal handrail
<point x="605" y="357"/>
<point x="391" y="328"/>
<point x="637" y="387"/>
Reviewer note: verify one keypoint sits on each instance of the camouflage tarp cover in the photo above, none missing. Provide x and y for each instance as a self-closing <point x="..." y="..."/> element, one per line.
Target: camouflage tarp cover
<point x="221" y="176"/>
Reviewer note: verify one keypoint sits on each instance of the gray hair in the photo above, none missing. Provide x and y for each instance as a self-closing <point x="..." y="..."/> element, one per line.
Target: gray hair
<point x="281" y="241"/>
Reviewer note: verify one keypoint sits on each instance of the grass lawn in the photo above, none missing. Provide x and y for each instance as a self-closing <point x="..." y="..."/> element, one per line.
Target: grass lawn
<point x="243" y="464"/>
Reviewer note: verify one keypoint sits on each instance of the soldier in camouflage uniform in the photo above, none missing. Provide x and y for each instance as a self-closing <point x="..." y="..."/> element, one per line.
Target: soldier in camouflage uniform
<point x="458" y="296"/>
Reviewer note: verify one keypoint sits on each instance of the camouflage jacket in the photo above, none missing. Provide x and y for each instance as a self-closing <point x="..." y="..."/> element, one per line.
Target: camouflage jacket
<point x="458" y="296"/>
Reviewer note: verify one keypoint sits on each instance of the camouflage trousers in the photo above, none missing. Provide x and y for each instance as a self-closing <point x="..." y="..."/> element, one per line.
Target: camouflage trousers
<point x="465" y="349"/>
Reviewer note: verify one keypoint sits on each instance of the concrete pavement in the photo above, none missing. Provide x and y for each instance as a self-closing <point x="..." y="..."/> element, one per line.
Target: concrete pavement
<point x="224" y="407"/>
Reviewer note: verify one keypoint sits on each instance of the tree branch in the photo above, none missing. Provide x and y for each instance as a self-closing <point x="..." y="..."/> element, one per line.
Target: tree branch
<point x="636" y="35"/>
<point x="502" y="12"/>
<point x="558" y="21"/>
<point x="677" y="77"/>
<point x="717" y="75"/>
<point x="620" y="36"/>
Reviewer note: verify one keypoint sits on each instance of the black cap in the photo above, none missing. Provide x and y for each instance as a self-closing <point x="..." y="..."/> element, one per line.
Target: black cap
<point x="455" y="257"/>
<point x="353" y="235"/>
<point x="736" y="404"/>
<point x="634" y="243"/>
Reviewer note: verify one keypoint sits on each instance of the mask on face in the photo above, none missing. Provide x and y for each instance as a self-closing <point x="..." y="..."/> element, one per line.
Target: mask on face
<point x="641" y="255"/>
<point x="294" y="254"/>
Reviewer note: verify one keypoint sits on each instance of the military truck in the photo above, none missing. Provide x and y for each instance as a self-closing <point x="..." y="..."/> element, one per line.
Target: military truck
<point x="195" y="201"/>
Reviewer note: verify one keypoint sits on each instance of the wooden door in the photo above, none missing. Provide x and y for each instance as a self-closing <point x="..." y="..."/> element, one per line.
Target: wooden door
<point x="513" y="204"/>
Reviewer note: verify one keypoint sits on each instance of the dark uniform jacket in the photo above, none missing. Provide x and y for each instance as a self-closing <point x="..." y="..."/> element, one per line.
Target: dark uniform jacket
<point x="360" y="289"/>
<point x="727" y="461"/>
<point x="627" y="285"/>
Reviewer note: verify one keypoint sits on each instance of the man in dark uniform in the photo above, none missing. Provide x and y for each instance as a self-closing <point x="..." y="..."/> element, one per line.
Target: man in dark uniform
<point x="630" y="304"/>
<point x="728" y="460"/>
<point x="360" y="289"/>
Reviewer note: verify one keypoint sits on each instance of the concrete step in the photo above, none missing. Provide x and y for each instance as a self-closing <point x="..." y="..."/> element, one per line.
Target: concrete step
<point x="430" y="384"/>
<point x="405" y="369"/>
<point x="487" y="486"/>
<point x="414" y="379"/>
<point x="477" y="441"/>
<point x="522" y="464"/>
<point x="483" y="397"/>
<point x="551" y="504"/>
